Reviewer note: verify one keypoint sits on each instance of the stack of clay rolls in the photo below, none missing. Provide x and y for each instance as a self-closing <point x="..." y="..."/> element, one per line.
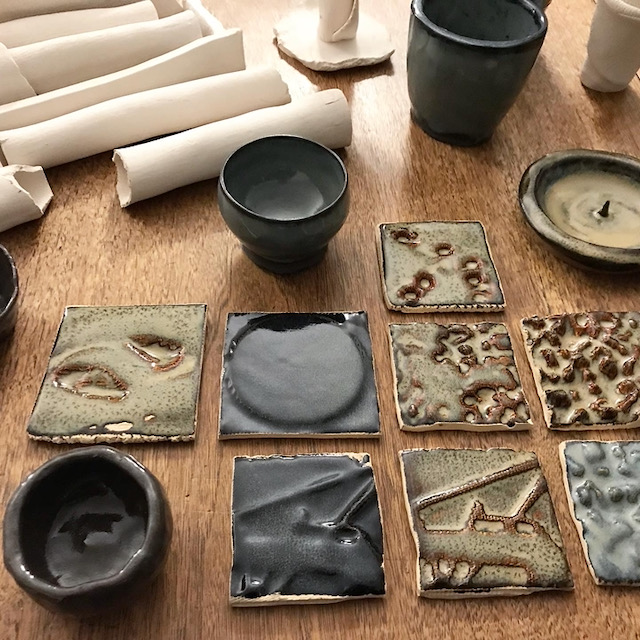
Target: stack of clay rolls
<point x="210" y="56"/>
<point x="24" y="195"/>
<point x="155" y="167"/>
<point x="141" y="116"/>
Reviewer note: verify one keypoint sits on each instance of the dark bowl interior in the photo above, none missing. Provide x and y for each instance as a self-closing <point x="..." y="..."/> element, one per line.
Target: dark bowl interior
<point x="8" y="280"/>
<point x="284" y="178"/>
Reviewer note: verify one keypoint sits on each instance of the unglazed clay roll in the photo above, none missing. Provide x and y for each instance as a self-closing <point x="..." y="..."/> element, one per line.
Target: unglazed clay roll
<point x="338" y="20"/>
<point x="142" y="116"/>
<point x="14" y="86"/>
<point x="17" y="33"/>
<point x="24" y="195"/>
<point x="61" y="62"/>
<point x="201" y="58"/>
<point x="16" y="9"/>
<point x="208" y="23"/>
<point x="155" y="167"/>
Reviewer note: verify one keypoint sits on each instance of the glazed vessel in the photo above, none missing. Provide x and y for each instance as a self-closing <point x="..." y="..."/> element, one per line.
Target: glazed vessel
<point x="8" y="293"/>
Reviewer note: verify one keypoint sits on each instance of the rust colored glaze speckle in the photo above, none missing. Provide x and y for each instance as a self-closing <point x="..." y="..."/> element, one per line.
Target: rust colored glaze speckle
<point x="585" y="366"/>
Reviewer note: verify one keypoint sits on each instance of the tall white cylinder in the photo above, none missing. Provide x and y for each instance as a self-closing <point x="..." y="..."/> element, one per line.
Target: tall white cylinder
<point x="338" y="20"/>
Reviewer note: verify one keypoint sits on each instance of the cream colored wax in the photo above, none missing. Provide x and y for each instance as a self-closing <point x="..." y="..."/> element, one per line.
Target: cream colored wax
<point x="575" y="205"/>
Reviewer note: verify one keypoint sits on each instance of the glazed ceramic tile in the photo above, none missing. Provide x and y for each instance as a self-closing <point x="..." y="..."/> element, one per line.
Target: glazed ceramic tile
<point x="585" y="368"/>
<point x="128" y="374"/>
<point x="298" y="374"/>
<point x="456" y="376"/>
<point x="438" y="266"/>
<point x="602" y="483"/>
<point x="306" y="529"/>
<point x="483" y="523"/>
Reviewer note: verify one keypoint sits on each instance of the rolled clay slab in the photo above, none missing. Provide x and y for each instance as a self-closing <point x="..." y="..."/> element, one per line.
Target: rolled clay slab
<point x="24" y="195"/>
<point x="210" y="56"/>
<point x="209" y="25"/>
<point x="338" y="20"/>
<point x="15" y="9"/>
<point x="61" y="62"/>
<point x="155" y="167"/>
<point x="14" y="86"/>
<point x="55" y="25"/>
<point x="143" y="115"/>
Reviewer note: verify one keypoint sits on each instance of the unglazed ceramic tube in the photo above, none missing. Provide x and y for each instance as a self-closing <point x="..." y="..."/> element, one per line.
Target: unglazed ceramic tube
<point x="17" y="33"/>
<point x="25" y="195"/>
<point x="142" y="116"/>
<point x="155" y="167"/>
<point x="14" y="86"/>
<point x="201" y="58"/>
<point x="208" y="23"/>
<point x="61" y="62"/>
<point x="338" y="20"/>
<point x="16" y="9"/>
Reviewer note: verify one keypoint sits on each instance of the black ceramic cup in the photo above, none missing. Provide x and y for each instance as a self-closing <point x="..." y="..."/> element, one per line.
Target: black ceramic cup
<point x="85" y="531"/>
<point x="8" y="293"/>
<point x="467" y="62"/>
<point x="284" y="198"/>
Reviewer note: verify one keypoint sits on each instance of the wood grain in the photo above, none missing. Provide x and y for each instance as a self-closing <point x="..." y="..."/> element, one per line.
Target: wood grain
<point x="176" y="248"/>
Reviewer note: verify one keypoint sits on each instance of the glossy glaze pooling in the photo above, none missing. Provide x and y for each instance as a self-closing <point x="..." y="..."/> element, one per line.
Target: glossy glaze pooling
<point x="119" y="373"/>
<point x="428" y="266"/>
<point x="298" y="373"/>
<point x="483" y="522"/>
<point x="305" y="527"/>
<point x="457" y="375"/>
<point x="603" y="482"/>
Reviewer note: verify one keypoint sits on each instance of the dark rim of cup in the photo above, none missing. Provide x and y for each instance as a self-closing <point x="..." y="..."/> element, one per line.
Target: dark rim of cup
<point x="294" y="140"/>
<point x="5" y="255"/>
<point x="13" y="552"/>
<point x="507" y="45"/>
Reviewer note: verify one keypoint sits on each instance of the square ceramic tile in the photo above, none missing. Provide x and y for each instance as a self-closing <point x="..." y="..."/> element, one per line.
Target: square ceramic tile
<point x="601" y="480"/>
<point x="305" y="529"/>
<point x="456" y="376"/>
<point x="483" y="523"/>
<point x="438" y="266"/>
<point x="298" y="374"/>
<point x="585" y="367"/>
<point x="122" y="374"/>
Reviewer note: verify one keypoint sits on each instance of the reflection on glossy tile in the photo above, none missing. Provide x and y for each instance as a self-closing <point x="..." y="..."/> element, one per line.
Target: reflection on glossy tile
<point x="122" y="374"/>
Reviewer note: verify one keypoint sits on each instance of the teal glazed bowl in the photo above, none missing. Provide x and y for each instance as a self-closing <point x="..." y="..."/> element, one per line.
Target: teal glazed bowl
<point x="8" y="293"/>
<point x="86" y="531"/>
<point x="284" y="198"/>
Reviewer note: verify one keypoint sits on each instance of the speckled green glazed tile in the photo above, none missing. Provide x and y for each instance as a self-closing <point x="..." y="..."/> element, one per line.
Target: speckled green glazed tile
<point x="456" y="376"/>
<point x="122" y="374"/>
<point x="483" y="523"/>
<point x="438" y="266"/>
<point x="602" y="480"/>
<point x="585" y="368"/>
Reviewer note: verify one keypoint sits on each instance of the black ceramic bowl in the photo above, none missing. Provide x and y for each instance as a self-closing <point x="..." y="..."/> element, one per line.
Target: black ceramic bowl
<point x="284" y="198"/>
<point x="8" y="293"/>
<point x="85" y="531"/>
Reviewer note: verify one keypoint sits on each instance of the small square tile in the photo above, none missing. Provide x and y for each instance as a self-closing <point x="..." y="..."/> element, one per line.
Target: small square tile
<point x="483" y="523"/>
<point x="456" y="376"/>
<point x="438" y="266"/>
<point x="122" y="374"/>
<point x="298" y="374"/>
<point x="585" y="368"/>
<point x="601" y="480"/>
<point x="305" y="529"/>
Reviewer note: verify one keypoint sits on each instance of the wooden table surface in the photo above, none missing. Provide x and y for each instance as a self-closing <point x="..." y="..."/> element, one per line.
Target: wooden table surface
<point x="176" y="249"/>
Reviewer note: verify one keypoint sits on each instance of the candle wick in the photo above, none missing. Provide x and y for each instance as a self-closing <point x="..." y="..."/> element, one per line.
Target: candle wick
<point x="604" y="212"/>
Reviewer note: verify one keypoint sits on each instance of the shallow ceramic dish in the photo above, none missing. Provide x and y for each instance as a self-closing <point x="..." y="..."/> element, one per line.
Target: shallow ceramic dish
<point x="8" y="293"/>
<point x="85" y="531"/>
<point x="284" y="198"/>
<point x="546" y="171"/>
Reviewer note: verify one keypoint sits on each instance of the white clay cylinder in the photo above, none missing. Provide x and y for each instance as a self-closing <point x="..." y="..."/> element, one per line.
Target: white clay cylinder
<point x="17" y="33"/>
<point x="338" y="20"/>
<point x="613" y="50"/>
<point x="155" y="167"/>
<point x="14" y="86"/>
<point x="208" y="23"/>
<point x="25" y="195"/>
<point x="61" y="62"/>
<point x="16" y="9"/>
<point x="204" y="57"/>
<point x="144" y="115"/>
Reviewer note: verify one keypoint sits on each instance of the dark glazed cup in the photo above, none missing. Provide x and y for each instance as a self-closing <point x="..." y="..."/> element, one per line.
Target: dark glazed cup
<point x="467" y="62"/>
<point x="8" y="293"/>
<point x="85" y="531"/>
<point x="284" y="198"/>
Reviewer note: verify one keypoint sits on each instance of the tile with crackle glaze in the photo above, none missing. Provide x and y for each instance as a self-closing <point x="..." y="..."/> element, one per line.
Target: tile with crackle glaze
<point x="456" y="376"/>
<point x="602" y="480"/>
<point x="438" y="266"/>
<point x="298" y="375"/>
<point x="305" y="529"/>
<point x="585" y="368"/>
<point x="122" y="374"/>
<point x="483" y="523"/>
